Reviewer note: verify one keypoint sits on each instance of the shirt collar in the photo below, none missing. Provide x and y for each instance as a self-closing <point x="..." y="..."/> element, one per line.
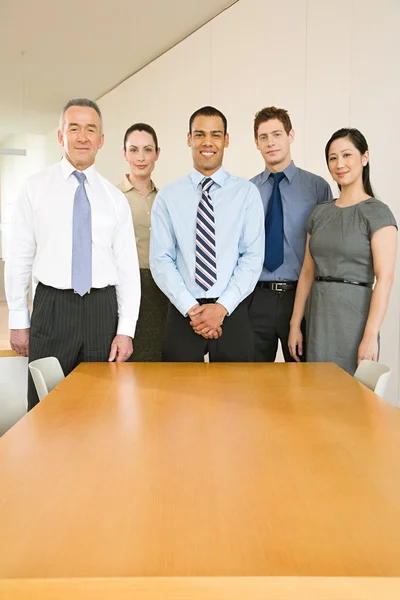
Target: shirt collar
<point x="126" y="185"/>
<point x="68" y="169"/>
<point x="219" y="177"/>
<point x="290" y="172"/>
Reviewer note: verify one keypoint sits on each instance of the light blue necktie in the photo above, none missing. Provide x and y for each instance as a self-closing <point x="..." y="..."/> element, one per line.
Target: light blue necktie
<point x="81" y="278"/>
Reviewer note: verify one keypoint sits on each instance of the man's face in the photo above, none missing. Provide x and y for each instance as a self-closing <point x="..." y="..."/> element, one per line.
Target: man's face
<point x="207" y="141"/>
<point x="274" y="144"/>
<point x="81" y="136"/>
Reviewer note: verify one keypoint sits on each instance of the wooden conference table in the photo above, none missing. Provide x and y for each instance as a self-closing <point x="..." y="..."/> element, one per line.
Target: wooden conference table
<point x="204" y="481"/>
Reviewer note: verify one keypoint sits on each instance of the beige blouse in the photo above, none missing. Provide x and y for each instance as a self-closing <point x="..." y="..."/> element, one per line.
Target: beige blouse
<point x="141" y="209"/>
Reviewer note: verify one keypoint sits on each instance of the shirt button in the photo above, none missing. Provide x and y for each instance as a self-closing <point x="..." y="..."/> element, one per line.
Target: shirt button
<point x="149" y="228"/>
<point x="148" y="213"/>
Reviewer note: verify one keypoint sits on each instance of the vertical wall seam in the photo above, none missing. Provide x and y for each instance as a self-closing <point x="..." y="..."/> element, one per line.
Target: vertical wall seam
<point x="305" y="84"/>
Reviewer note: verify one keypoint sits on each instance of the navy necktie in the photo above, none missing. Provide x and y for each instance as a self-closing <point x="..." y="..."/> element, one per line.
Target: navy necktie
<point x="274" y="227"/>
<point x="81" y="277"/>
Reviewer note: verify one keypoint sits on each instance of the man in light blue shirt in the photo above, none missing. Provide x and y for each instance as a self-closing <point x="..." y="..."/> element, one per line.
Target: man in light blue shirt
<point x="206" y="251"/>
<point x="287" y="210"/>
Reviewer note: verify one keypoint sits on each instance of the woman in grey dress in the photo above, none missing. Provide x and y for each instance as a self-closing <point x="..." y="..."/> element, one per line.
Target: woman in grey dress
<point x="351" y="242"/>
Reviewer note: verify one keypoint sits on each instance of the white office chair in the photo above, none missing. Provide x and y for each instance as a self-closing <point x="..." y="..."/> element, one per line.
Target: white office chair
<point x="46" y="374"/>
<point x="374" y="375"/>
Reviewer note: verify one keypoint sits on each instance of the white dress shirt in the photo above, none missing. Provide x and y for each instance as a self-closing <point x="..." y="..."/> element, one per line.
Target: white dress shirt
<point x="41" y="242"/>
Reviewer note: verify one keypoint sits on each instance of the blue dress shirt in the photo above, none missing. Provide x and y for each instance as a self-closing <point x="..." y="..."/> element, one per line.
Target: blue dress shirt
<point x="239" y="233"/>
<point x="300" y="192"/>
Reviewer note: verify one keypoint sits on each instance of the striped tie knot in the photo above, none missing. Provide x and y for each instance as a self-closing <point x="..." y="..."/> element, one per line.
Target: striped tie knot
<point x="206" y="183"/>
<point x="206" y="257"/>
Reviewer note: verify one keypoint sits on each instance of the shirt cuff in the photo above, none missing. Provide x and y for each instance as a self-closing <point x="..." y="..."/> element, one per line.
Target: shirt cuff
<point x="126" y="327"/>
<point x="229" y="301"/>
<point x="19" y="319"/>
<point x="185" y="303"/>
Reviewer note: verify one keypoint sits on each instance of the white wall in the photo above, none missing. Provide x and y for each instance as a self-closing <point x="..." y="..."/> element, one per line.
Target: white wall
<point x="14" y="170"/>
<point x="331" y="64"/>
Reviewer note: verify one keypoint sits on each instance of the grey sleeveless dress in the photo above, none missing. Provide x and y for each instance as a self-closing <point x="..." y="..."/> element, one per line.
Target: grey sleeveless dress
<point x="340" y="245"/>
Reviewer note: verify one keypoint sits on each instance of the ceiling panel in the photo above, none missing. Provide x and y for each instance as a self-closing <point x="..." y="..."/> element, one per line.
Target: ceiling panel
<point x="53" y="51"/>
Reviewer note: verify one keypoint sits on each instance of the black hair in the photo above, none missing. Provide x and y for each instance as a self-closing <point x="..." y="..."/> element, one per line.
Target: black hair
<point x="359" y="141"/>
<point x="208" y="111"/>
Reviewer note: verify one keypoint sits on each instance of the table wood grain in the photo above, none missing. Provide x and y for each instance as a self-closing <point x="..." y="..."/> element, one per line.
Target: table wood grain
<point x="202" y="481"/>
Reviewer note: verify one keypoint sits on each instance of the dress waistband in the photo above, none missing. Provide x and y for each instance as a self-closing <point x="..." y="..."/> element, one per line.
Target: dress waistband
<point x="338" y="280"/>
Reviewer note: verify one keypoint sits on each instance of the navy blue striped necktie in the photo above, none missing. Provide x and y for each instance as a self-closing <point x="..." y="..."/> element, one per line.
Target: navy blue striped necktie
<point x="274" y="227"/>
<point x="206" y="256"/>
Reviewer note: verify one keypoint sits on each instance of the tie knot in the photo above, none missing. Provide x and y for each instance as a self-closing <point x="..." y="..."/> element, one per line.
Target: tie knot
<point x="80" y="176"/>
<point x="278" y="177"/>
<point x="206" y="183"/>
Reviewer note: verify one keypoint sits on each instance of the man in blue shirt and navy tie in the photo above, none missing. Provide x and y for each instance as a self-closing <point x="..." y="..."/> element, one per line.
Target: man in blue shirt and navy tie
<point x="289" y="195"/>
<point x="207" y="251"/>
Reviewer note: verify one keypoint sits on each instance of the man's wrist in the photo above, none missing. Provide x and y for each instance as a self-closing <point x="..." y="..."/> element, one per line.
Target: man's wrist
<point x="224" y="310"/>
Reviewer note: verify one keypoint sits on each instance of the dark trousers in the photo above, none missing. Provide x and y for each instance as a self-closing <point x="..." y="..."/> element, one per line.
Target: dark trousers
<point x="182" y="344"/>
<point x="71" y="328"/>
<point x="270" y="313"/>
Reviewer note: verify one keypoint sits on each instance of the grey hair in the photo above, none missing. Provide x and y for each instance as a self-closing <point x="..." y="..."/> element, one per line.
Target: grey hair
<point x="81" y="102"/>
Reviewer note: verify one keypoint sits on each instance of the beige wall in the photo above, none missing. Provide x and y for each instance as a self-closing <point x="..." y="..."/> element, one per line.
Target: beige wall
<point x="332" y="64"/>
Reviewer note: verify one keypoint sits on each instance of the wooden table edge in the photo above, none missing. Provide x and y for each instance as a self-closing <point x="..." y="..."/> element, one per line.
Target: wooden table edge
<point x="203" y="588"/>
<point x="8" y="353"/>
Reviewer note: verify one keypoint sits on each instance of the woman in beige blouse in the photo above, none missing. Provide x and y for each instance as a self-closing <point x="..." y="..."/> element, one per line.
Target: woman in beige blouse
<point x="141" y="151"/>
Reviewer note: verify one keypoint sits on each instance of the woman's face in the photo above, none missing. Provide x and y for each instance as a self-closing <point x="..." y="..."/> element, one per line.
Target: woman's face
<point x="141" y="154"/>
<point x="345" y="162"/>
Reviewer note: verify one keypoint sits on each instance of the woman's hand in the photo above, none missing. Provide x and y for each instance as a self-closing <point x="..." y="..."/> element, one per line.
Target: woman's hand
<point x="368" y="349"/>
<point x="295" y="343"/>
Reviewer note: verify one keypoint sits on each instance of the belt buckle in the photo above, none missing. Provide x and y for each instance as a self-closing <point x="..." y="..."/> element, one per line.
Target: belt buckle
<point x="277" y="286"/>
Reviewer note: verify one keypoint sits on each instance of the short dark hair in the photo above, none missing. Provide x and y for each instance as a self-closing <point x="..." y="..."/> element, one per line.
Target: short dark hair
<point x="141" y="127"/>
<point x="81" y="102"/>
<point x="359" y="141"/>
<point x="271" y="112"/>
<point x="208" y="111"/>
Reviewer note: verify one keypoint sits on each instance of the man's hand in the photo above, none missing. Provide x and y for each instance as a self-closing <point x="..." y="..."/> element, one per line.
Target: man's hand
<point x="121" y="348"/>
<point x="19" y="340"/>
<point x="207" y="319"/>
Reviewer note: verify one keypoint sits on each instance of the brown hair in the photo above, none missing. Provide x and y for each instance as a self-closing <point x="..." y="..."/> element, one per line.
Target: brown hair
<point x="271" y="112"/>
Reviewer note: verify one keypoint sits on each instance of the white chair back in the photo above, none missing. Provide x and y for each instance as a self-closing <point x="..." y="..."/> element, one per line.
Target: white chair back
<point x="46" y="374"/>
<point x="374" y="375"/>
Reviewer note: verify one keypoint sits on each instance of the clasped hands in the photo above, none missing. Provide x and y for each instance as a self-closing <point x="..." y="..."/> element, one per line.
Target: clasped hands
<point x="206" y="319"/>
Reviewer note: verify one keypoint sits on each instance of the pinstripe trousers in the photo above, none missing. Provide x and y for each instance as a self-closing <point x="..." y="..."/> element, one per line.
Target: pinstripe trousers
<point x="71" y="328"/>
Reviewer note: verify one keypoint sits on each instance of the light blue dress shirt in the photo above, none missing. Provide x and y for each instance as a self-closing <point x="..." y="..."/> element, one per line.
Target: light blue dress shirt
<point x="300" y="192"/>
<point x="239" y="233"/>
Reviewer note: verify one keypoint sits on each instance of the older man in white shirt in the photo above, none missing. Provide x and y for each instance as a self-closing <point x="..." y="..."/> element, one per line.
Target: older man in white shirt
<point x="73" y="231"/>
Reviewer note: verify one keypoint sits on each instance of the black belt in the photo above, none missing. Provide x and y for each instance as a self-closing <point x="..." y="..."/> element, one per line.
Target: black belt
<point x="278" y="286"/>
<point x="91" y="291"/>
<point x="338" y="280"/>
<point x="207" y="300"/>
